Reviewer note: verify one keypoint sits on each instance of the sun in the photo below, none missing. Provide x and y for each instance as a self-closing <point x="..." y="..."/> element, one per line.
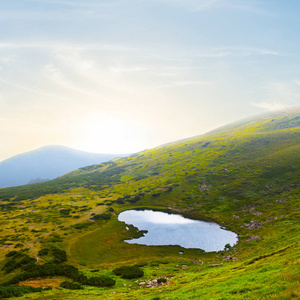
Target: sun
<point x="105" y="133"/>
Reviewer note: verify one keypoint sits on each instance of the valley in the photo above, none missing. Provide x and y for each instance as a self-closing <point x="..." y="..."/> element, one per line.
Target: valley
<point x="245" y="177"/>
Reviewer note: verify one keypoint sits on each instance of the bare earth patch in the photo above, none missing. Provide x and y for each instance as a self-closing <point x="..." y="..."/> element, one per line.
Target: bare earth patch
<point x="43" y="282"/>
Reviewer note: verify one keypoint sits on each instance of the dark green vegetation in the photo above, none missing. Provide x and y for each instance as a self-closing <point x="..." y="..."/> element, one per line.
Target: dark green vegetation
<point x="129" y="272"/>
<point x="17" y="291"/>
<point x="245" y="176"/>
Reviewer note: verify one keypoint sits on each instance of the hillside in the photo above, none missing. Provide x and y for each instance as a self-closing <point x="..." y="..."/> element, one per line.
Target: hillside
<point x="46" y="163"/>
<point x="245" y="176"/>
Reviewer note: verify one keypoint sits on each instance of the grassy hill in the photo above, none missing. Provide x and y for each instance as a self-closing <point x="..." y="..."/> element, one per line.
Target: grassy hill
<point x="245" y="176"/>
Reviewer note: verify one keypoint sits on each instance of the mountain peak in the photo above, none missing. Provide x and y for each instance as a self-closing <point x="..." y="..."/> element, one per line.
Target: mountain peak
<point x="46" y="162"/>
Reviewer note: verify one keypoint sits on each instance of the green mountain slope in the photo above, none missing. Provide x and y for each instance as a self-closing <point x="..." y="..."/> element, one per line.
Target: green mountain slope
<point x="245" y="176"/>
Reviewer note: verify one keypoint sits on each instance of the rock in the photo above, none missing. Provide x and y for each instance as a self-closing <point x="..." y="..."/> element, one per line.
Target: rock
<point x="258" y="213"/>
<point x="253" y="237"/>
<point x="198" y="261"/>
<point x="253" y="225"/>
<point x="215" y="265"/>
<point x="151" y="283"/>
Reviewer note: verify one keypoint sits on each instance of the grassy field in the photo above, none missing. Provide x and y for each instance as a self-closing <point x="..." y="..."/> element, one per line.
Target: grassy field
<point x="245" y="176"/>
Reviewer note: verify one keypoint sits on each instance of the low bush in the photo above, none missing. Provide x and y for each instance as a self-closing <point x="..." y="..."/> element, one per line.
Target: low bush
<point x="13" y="254"/>
<point x="65" y="212"/>
<point x="18" y="260"/>
<point x="43" y="252"/>
<point x="129" y="272"/>
<point x="59" y="255"/>
<point x="161" y="280"/>
<point x="104" y="216"/>
<point x="10" y="266"/>
<point x="227" y="247"/>
<point x="82" y="225"/>
<point x="99" y="281"/>
<point x="55" y="238"/>
<point x="71" y="285"/>
<point x="35" y="271"/>
<point x="141" y="264"/>
<point x="16" y="291"/>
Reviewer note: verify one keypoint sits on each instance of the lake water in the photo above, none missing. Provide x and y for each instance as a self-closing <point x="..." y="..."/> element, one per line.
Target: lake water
<point x="173" y="229"/>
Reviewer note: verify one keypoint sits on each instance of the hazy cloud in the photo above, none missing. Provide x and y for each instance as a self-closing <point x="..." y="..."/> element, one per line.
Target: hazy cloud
<point x="270" y="106"/>
<point x="184" y="84"/>
<point x="241" y="51"/>
<point x="280" y="95"/>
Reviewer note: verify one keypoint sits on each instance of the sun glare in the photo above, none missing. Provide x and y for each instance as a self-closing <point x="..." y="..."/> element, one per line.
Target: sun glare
<point x="104" y="133"/>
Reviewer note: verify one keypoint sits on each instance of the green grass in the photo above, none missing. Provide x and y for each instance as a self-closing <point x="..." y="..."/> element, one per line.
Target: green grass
<point x="244" y="172"/>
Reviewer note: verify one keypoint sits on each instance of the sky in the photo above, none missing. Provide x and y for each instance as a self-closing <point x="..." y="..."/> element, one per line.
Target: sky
<point x="121" y="76"/>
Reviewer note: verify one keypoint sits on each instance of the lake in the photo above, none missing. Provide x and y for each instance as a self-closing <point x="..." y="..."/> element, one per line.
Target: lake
<point x="174" y="229"/>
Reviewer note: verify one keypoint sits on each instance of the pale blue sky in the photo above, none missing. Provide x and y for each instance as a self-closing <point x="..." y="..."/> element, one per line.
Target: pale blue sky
<point x="125" y="75"/>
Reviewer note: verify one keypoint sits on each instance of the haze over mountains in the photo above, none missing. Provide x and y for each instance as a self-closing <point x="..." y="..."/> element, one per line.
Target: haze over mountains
<point x="46" y="163"/>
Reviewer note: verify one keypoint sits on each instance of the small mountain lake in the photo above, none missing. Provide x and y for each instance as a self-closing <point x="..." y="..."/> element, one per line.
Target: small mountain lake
<point x="174" y="229"/>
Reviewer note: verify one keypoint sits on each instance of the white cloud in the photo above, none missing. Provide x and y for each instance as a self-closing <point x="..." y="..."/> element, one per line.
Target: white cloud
<point x="184" y="83"/>
<point x="270" y="106"/>
<point x="280" y="95"/>
<point x="56" y="76"/>
<point x="24" y="88"/>
<point x="241" y="51"/>
<point x="59" y="46"/>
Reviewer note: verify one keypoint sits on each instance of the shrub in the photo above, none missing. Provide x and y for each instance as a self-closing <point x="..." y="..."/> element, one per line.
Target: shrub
<point x="13" y="253"/>
<point x="227" y="247"/>
<point x="82" y="225"/>
<point x="129" y="272"/>
<point x="141" y="264"/>
<point x="27" y="260"/>
<point x="71" y="285"/>
<point x="65" y="211"/>
<point x="10" y="266"/>
<point x="155" y="194"/>
<point x="100" y="281"/>
<point x="59" y="255"/>
<point x="43" y="252"/>
<point x="104" y="216"/>
<point x="16" y="291"/>
<point x="55" y="238"/>
<point x="35" y="271"/>
<point x="161" y="280"/>
<point x="14" y="264"/>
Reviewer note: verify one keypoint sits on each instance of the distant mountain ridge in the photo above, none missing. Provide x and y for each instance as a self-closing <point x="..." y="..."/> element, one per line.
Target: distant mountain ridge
<point x="46" y="163"/>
